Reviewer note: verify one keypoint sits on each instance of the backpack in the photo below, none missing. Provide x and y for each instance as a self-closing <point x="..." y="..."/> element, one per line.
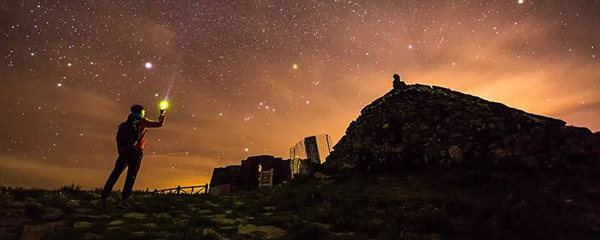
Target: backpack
<point x="128" y="135"/>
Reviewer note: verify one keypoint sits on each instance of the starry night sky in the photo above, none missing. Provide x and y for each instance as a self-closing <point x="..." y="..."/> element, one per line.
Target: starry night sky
<point x="255" y="77"/>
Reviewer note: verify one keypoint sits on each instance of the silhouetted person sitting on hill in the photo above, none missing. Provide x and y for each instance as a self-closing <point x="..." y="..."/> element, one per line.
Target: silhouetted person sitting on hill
<point x="398" y="83"/>
<point x="131" y="140"/>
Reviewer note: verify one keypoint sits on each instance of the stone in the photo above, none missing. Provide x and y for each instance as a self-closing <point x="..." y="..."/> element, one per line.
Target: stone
<point x="73" y="203"/>
<point x="134" y="215"/>
<point x="456" y="135"/>
<point x="116" y="223"/>
<point x="320" y="225"/>
<point x="113" y="228"/>
<point x="181" y="222"/>
<point x="204" y="211"/>
<point x="35" y="232"/>
<point x="456" y="154"/>
<point x="270" y="208"/>
<point x="262" y="232"/>
<point x="225" y="221"/>
<point x="151" y="225"/>
<point x="138" y="234"/>
<point x="374" y="222"/>
<point x="213" y="204"/>
<point x="82" y="225"/>
<point x="443" y="153"/>
<point x="161" y="235"/>
<point x="51" y="214"/>
<point x="162" y="216"/>
<point x="176" y="213"/>
<point x="212" y="234"/>
<point x="500" y="153"/>
<point x="11" y="217"/>
<point x="91" y="217"/>
<point x="319" y="175"/>
<point x="83" y="210"/>
<point x="91" y="236"/>
<point x="344" y="234"/>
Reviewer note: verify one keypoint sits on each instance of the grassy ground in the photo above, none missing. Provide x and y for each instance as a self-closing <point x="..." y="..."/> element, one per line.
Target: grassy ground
<point x="343" y="208"/>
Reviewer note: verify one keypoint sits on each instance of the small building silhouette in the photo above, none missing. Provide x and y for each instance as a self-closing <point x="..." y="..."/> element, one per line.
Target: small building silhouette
<point x="246" y="175"/>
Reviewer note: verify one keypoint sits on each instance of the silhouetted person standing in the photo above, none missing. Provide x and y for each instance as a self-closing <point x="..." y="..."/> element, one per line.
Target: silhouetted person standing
<point x="131" y="140"/>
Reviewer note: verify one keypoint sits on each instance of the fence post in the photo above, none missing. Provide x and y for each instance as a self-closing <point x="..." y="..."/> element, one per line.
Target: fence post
<point x="206" y="188"/>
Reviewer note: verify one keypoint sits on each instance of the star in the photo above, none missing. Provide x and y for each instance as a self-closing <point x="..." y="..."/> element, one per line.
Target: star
<point x="228" y="71"/>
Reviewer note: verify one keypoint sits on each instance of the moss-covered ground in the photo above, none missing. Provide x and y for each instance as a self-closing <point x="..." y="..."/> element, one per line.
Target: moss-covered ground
<point x="340" y="208"/>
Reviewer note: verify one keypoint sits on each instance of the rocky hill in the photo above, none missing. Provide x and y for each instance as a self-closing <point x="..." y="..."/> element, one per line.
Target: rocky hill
<point x="526" y="176"/>
<point x="414" y="126"/>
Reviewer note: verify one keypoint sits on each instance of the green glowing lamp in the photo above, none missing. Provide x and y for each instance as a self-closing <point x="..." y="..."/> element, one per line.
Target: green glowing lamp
<point x="163" y="105"/>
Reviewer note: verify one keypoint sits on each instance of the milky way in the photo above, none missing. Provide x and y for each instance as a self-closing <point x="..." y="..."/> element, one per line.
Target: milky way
<point x="255" y="77"/>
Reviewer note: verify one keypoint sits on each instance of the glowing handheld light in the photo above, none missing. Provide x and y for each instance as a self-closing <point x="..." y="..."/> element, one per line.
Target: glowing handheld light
<point x="163" y="105"/>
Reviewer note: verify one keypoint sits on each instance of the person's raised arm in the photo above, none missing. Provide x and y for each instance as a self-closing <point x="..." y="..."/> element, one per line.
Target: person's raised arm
<point x="154" y="124"/>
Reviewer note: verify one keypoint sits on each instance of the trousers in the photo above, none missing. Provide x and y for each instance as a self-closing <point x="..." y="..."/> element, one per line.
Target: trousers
<point x="131" y="159"/>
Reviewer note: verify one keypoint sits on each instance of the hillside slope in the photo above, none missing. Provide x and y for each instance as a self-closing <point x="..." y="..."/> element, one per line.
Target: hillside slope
<point x="416" y="125"/>
<point x="529" y="176"/>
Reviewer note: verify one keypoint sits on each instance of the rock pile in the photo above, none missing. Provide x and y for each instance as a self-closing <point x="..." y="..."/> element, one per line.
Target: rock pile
<point x="415" y="126"/>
